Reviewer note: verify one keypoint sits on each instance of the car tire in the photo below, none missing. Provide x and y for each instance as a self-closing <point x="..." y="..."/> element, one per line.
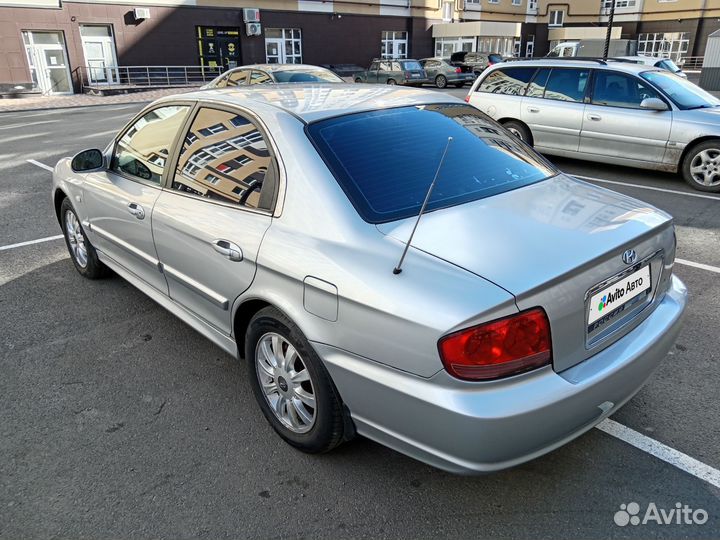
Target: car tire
<point x="441" y="81"/>
<point x="358" y="80"/>
<point x="286" y="402"/>
<point x="391" y="82"/>
<point x="701" y="166"/>
<point x="82" y="252"/>
<point x="520" y="130"/>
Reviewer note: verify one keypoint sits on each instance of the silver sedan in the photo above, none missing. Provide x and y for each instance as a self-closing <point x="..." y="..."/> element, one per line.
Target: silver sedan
<point x="389" y="262"/>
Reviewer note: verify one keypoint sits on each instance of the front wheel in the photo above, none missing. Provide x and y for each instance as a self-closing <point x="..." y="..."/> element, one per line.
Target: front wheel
<point x="291" y="384"/>
<point x="358" y="80"/>
<point x="82" y="252"/>
<point x="441" y="81"/>
<point x="391" y="82"/>
<point x="701" y="166"/>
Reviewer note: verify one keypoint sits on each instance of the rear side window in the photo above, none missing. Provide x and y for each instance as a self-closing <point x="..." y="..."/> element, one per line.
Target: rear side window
<point x="144" y="148"/>
<point x="225" y="158"/>
<point x="385" y="160"/>
<point x="507" y="81"/>
<point x="567" y="84"/>
<point x="238" y="78"/>
<point x="536" y="88"/>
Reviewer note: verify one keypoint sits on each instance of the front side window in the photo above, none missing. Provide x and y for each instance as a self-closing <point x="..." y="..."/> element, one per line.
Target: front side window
<point x="229" y="165"/>
<point x="619" y="90"/>
<point x="536" y="88"/>
<point x="507" y="81"/>
<point x="386" y="185"/>
<point x="143" y="149"/>
<point x="567" y="84"/>
<point x="683" y="93"/>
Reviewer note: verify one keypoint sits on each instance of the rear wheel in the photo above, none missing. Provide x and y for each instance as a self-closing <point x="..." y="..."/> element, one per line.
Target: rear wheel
<point x="520" y="130"/>
<point x="291" y="384"/>
<point x="358" y="80"/>
<point x="391" y="82"/>
<point x="701" y="166"/>
<point x="82" y="252"/>
<point x="441" y="81"/>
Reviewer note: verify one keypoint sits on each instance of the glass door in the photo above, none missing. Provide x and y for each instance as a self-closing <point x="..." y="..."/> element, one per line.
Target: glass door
<point x="100" y="58"/>
<point x="47" y="61"/>
<point x="273" y="50"/>
<point x="283" y="46"/>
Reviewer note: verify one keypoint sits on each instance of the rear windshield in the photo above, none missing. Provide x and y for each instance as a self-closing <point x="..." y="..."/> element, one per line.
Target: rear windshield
<point x="385" y="160"/>
<point x="411" y="65"/>
<point x="306" y="75"/>
<point x="495" y="58"/>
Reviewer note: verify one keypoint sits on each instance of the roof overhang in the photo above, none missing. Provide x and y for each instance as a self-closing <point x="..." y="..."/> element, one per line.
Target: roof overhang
<point x="476" y="29"/>
<point x="573" y="33"/>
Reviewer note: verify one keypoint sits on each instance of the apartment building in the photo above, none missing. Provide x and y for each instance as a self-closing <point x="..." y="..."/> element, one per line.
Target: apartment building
<point x="55" y="44"/>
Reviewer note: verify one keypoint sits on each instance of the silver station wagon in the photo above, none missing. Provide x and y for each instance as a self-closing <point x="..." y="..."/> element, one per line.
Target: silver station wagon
<point x="612" y="112"/>
<point x="388" y="262"/>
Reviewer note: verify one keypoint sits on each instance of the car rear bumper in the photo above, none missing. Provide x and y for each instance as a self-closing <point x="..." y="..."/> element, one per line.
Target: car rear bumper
<point x="416" y="81"/>
<point x="482" y="427"/>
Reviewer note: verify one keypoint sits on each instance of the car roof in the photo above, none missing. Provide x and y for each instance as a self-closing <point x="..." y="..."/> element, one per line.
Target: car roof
<point x="627" y="67"/>
<point x="312" y="102"/>
<point x="279" y="67"/>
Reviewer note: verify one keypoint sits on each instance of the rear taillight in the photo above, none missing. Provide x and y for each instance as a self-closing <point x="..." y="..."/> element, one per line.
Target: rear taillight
<point x="467" y="98"/>
<point x="499" y="348"/>
<point x="458" y="70"/>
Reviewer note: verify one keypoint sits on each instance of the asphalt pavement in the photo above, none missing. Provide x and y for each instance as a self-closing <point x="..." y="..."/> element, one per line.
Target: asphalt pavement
<point x="119" y="421"/>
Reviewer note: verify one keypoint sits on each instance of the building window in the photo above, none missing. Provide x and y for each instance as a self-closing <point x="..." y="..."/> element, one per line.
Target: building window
<point x="472" y="2"/>
<point x="672" y="45"/>
<point x="557" y="17"/>
<point x="607" y="4"/>
<point x="504" y="46"/>
<point x="394" y="44"/>
<point x="530" y="46"/>
<point x="517" y="2"/>
<point x="283" y="46"/>
<point x="447" y="11"/>
<point x="532" y="5"/>
<point x="444" y="47"/>
<point x="493" y="1"/>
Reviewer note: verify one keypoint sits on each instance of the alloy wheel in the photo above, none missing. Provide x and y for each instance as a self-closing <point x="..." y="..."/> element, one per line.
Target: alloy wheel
<point x="286" y="382"/>
<point x="705" y="167"/>
<point x="76" y="239"/>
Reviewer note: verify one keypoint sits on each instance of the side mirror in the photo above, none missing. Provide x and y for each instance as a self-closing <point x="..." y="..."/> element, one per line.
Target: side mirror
<point x="87" y="160"/>
<point x="653" y="104"/>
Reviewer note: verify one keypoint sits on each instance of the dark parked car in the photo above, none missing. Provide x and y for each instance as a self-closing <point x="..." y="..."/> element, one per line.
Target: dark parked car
<point x="343" y="70"/>
<point x="393" y="71"/>
<point x="441" y="73"/>
<point x="474" y="62"/>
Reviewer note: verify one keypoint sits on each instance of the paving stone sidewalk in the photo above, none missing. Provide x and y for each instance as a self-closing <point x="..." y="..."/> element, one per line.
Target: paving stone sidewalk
<point x="84" y="100"/>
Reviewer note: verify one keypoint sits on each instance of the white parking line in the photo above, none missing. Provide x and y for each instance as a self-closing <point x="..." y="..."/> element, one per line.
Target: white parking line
<point x="699" y="265"/>
<point x="651" y="188"/>
<point x="41" y="165"/>
<point x="661" y="451"/>
<point x="31" y="242"/>
<point x="26" y="124"/>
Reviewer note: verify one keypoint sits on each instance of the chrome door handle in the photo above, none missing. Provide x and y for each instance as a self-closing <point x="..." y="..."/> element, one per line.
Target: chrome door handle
<point x="228" y="250"/>
<point x="136" y="210"/>
<point x="595" y="117"/>
<point x="533" y="109"/>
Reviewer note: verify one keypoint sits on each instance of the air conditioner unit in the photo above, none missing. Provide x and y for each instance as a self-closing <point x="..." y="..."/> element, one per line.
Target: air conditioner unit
<point x="253" y="29"/>
<point x="141" y="13"/>
<point x="251" y="15"/>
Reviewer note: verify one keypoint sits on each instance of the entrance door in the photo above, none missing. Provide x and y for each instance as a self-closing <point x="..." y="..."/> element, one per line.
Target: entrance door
<point x="47" y="60"/>
<point x="219" y="47"/>
<point x="100" y="58"/>
<point x="273" y="50"/>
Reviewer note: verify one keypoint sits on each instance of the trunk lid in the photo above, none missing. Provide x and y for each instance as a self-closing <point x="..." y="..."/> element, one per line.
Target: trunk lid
<point x="555" y="244"/>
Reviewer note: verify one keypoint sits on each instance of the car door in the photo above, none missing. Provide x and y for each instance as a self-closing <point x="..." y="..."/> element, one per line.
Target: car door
<point x="615" y="125"/>
<point x="372" y="72"/>
<point x="553" y="107"/>
<point x="500" y="94"/>
<point x="120" y="200"/>
<point x="209" y="221"/>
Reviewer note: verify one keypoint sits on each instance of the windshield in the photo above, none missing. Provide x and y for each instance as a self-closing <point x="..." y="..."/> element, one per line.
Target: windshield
<point x="306" y="75"/>
<point x="668" y="64"/>
<point x="411" y="65"/>
<point x="683" y="93"/>
<point x="385" y="160"/>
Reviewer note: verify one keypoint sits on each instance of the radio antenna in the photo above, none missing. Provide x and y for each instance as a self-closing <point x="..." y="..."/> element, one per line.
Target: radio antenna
<point x="398" y="268"/>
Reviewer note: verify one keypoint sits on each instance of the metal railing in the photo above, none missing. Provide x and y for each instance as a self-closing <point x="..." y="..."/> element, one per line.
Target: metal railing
<point x="148" y="75"/>
<point x="692" y="63"/>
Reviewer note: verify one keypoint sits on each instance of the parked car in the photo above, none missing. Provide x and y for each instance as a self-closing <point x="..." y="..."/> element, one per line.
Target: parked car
<point x="273" y="73"/>
<point x="441" y="73"/>
<point x="276" y="221"/>
<point x="474" y="62"/>
<point x="662" y="63"/>
<point x="611" y="112"/>
<point x="401" y="71"/>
